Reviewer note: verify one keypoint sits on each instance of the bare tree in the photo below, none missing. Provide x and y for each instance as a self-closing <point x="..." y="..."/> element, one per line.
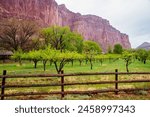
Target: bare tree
<point x="17" y="34"/>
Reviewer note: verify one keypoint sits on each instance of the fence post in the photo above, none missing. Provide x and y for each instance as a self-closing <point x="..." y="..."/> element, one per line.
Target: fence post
<point x="3" y="85"/>
<point x="116" y="79"/>
<point x="62" y="85"/>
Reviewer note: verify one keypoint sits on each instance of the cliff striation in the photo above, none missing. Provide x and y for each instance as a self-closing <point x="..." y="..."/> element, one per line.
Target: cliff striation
<point x="48" y="13"/>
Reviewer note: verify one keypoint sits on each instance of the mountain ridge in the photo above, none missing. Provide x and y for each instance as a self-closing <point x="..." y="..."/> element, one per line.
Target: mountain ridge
<point x="48" y="13"/>
<point x="145" y="45"/>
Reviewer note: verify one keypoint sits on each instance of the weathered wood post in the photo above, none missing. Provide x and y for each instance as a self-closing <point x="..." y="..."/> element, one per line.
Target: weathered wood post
<point x="3" y="85"/>
<point x="62" y="85"/>
<point x="116" y="79"/>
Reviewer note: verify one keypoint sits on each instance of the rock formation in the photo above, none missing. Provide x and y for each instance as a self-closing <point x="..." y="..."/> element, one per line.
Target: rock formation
<point x="48" y="13"/>
<point x="145" y="45"/>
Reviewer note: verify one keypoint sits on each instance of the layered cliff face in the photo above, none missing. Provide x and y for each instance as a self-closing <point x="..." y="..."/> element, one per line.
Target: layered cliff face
<point x="43" y="11"/>
<point x="48" y="13"/>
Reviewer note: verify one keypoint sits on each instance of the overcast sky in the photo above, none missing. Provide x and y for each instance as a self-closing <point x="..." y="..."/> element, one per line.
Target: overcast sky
<point x="129" y="16"/>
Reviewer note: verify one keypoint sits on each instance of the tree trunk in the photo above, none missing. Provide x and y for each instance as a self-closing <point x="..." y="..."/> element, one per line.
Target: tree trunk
<point x="72" y="62"/>
<point x="35" y="63"/>
<point x="109" y="60"/>
<point x="80" y="62"/>
<point x="59" y="71"/>
<point x="56" y="67"/>
<point x="86" y="61"/>
<point x="44" y="64"/>
<point x="20" y="62"/>
<point x="91" y="64"/>
<point x="50" y="62"/>
<point x="127" y="68"/>
<point x="144" y="61"/>
<point x="101" y="61"/>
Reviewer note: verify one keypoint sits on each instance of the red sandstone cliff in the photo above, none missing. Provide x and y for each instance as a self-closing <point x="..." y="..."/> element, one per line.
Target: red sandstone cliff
<point x="47" y="13"/>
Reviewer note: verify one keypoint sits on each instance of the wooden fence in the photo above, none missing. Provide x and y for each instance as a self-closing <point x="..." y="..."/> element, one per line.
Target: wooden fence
<point x="62" y="84"/>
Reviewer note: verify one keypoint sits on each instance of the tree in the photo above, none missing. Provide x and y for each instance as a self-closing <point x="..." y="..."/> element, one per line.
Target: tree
<point x="118" y="49"/>
<point x="127" y="57"/>
<point x="62" y="58"/>
<point x="109" y="50"/>
<point x="59" y="58"/>
<point x="61" y="38"/>
<point x="91" y="48"/>
<point x="149" y="54"/>
<point x="17" y="34"/>
<point x="100" y="58"/>
<point x="17" y="56"/>
<point x="142" y="55"/>
<point x="109" y="57"/>
<point x="33" y="55"/>
<point x="75" y="42"/>
<point x="113" y="57"/>
<point x="47" y="55"/>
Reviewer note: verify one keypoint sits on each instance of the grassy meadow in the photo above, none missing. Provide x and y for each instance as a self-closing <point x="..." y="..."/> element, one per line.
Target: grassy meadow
<point x="107" y="66"/>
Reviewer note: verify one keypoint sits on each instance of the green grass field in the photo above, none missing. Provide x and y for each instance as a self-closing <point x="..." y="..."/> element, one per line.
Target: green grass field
<point x="27" y="67"/>
<point x="107" y="66"/>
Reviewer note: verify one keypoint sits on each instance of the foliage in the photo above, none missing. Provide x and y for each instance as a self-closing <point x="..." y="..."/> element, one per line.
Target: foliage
<point x="75" y="42"/>
<point x="142" y="55"/>
<point x="149" y="54"/>
<point x="127" y="56"/>
<point x="91" y="48"/>
<point x="110" y="57"/>
<point x="117" y="49"/>
<point x="61" y="59"/>
<point x="109" y="51"/>
<point x="58" y="58"/>
<point x="17" y="56"/>
<point x="61" y="38"/>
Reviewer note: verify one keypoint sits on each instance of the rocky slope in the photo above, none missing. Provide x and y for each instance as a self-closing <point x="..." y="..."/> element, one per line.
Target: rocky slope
<point x="144" y="45"/>
<point x="47" y="13"/>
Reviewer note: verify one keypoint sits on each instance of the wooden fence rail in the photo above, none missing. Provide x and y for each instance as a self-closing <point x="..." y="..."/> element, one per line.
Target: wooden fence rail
<point x="63" y="84"/>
